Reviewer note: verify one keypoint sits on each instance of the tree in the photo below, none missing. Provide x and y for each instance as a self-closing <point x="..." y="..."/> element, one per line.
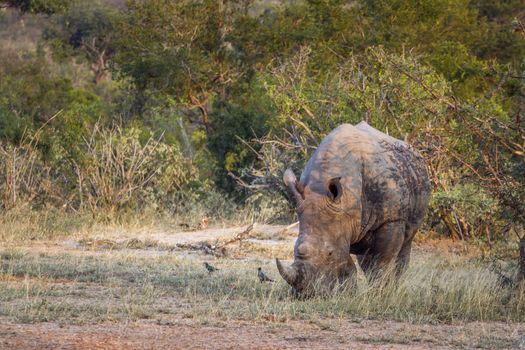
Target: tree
<point x="86" y="29"/>
<point x="180" y="48"/>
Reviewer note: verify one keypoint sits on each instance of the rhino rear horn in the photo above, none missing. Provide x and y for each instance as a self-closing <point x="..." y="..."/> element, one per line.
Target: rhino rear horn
<point x="295" y="187"/>
<point x="289" y="274"/>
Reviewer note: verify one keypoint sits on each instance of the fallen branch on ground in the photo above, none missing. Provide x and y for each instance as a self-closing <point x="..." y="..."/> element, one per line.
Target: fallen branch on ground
<point x="219" y="248"/>
<point x="238" y="238"/>
<point x="205" y="247"/>
<point x="285" y="230"/>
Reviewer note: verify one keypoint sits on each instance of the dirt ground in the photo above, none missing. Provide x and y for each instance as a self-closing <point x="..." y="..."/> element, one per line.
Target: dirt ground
<point x="189" y="334"/>
<point x="348" y="335"/>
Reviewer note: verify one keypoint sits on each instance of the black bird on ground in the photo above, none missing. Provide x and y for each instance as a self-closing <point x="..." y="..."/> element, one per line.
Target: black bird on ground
<point x="262" y="276"/>
<point x="210" y="268"/>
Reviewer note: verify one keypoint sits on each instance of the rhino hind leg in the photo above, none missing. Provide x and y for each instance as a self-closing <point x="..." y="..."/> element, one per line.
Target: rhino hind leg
<point x="403" y="258"/>
<point x="387" y="244"/>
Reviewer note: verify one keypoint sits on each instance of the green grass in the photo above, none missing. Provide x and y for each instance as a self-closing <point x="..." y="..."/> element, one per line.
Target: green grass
<point x="120" y="285"/>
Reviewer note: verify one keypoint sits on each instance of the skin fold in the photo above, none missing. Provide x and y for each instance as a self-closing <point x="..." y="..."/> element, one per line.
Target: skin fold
<point x="362" y="192"/>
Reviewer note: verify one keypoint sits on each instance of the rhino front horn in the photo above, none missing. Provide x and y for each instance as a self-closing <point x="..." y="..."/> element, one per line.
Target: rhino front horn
<point x="288" y="273"/>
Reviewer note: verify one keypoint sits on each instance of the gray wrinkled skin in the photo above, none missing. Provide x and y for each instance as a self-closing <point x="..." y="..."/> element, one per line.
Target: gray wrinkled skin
<point x="362" y="192"/>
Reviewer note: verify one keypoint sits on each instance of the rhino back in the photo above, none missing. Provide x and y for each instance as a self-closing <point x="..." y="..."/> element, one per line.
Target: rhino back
<point x="387" y="175"/>
<point x="376" y="134"/>
<point x="395" y="181"/>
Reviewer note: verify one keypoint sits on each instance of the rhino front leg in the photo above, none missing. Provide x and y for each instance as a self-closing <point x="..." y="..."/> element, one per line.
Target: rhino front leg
<point x="387" y="243"/>
<point x="349" y="274"/>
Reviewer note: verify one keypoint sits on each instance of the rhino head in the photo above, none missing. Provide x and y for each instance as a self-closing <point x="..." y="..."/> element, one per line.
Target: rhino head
<point x="327" y="220"/>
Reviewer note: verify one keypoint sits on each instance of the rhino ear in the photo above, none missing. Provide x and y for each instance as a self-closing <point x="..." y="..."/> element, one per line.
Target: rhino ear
<point x="335" y="190"/>
<point x="296" y="188"/>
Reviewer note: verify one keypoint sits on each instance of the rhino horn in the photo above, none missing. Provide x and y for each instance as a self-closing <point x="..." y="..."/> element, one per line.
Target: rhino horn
<point x="289" y="274"/>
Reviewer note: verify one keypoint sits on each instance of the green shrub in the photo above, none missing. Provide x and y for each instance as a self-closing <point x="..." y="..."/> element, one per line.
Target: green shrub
<point x="471" y="204"/>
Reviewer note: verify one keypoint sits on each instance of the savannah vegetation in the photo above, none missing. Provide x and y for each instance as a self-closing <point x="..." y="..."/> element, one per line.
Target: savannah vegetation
<point x="128" y="113"/>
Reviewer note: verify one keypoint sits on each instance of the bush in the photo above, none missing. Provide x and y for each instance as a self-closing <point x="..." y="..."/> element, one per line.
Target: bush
<point x="470" y="150"/>
<point x="24" y="178"/>
<point x="121" y="172"/>
<point x="119" y="169"/>
<point x="472" y="209"/>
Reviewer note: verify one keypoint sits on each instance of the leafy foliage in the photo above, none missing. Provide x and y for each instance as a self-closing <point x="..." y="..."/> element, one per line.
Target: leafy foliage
<point x="233" y="92"/>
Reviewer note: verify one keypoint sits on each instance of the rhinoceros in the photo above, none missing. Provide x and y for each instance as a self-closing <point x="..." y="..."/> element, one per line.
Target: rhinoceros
<point x="362" y="192"/>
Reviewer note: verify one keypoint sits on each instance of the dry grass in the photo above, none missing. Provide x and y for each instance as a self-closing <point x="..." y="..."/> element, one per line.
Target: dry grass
<point x="102" y="286"/>
<point x="22" y="226"/>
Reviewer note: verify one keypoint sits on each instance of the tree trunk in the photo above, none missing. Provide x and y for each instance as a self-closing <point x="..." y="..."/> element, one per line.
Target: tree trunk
<point x="451" y="226"/>
<point x="521" y="273"/>
<point x="202" y="105"/>
<point x="99" y="67"/>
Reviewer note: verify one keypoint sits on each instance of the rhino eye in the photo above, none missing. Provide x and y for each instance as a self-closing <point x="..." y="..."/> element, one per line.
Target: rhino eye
<point x="334" y="188"/>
